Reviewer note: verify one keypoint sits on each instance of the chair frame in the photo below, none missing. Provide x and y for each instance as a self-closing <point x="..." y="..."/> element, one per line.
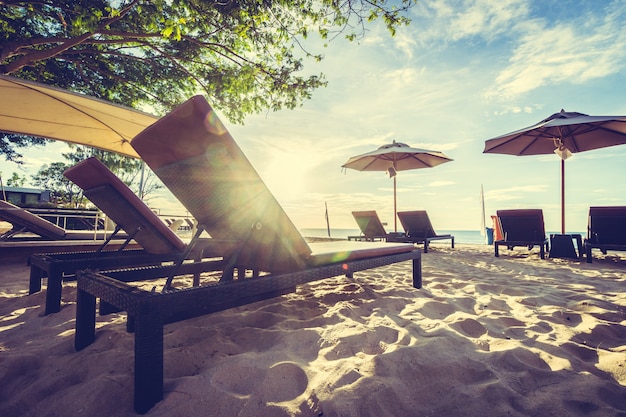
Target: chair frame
<point x="114" y="198"/>
<point x="23" y="220"/>
<point x="190" y="155"/>
<point x="372" y="229"/>
<point x="148" y="312"/>
<point x="532" y="217"/>
<point x="425" y="233"/>
<point x="606" y="230"/>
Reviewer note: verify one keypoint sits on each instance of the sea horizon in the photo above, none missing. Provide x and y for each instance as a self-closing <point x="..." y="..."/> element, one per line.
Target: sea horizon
<point x="460" y="236"/>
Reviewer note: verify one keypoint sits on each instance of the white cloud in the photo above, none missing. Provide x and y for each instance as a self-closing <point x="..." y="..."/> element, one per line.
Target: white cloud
<point x="574" y="52"/>
<point x="440" y="183"/>
<point x="454" y="20"/>
<point x="515" y="193"/>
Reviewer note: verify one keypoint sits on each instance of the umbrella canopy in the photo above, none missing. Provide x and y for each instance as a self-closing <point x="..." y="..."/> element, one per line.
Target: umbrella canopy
<point x="34" y="109"/>
<point x="395" y="157"/>
<point x="398" y="155"/>
<point x="562" y="133"/>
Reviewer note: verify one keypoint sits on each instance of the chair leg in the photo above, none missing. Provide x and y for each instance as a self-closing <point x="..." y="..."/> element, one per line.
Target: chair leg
<point x="36" y="275"/>
<point x="417" y="273"/>
<point x="54" y="292"/>
<point x="496" y="250"/>
<point x="85" y="320"/>
<point x="148" y="361"/>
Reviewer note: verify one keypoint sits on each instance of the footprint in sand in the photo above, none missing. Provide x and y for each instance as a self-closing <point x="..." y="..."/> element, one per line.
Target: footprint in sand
<point x="436" y="310"/>
<point x="469" y="327"/>
<point x="605" y="336"/>
<point x="283" y="381"/>
<point x="371" y="342"/>
<point x="563" y="317"/>
<point x="582" y="352"/>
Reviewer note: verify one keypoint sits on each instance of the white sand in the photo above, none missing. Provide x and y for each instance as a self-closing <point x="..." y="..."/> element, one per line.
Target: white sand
<point x="486" y="336"/>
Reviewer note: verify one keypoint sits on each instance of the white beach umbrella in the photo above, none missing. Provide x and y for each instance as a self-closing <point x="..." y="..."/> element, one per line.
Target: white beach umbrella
<point x="562" y="133"/>
<point x="35" y="109"/>
<point x="396" y="157"/>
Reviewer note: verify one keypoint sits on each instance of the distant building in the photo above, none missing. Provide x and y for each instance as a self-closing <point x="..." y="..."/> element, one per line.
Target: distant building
<point x="25" y="196"/>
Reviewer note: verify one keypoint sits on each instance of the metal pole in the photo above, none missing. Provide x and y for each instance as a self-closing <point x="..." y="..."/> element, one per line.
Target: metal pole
<point x="141" y="179"/>
<point x="327" y="219"/>
<point x="562" y="196"/>
<point x="4" y="196"/>
<point x="395" y="217"/>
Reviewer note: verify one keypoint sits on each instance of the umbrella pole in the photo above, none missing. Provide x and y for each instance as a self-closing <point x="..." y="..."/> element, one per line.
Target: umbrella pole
<point x="562" y="196"/>
<point x="395" y="217"/>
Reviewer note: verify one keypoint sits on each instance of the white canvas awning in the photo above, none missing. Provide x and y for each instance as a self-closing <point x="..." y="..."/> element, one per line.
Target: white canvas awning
<point x="35" y="109"/>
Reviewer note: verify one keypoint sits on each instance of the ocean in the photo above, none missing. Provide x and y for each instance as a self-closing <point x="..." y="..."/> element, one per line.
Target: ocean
<point x="460" y="236"/>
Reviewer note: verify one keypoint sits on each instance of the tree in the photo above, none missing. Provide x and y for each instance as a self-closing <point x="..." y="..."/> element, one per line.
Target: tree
<point x="16" y="180"/>
<point x="50" y="177"/>
<point x="9" y="142"/>
<point x="131" y="171"/>
<point x="245" y="55"/>
<point x="65" y="192"/>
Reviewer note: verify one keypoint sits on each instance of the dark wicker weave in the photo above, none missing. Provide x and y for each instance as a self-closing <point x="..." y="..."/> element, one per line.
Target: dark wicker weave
<point x="58" y="267"/>
<point x="606" y="230"/>
<point x="149" y="311"/>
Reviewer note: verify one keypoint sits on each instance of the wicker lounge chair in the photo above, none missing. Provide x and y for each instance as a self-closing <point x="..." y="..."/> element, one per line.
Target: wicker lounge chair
<point x="419" y="229"/>
<point x="198" y="160"/>
<point x="23" y="221"/>
<point x="606" y="230"/>
<point x="371" y="227"/>
<point x="522" y="227"/>
<point x="160" y="244"/>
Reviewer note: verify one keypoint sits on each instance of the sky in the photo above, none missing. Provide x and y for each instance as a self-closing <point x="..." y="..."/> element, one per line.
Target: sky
<point x="462" y="72"/>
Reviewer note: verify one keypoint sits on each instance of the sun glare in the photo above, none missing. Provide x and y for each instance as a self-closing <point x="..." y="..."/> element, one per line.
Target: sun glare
<point x="286" y="176"/>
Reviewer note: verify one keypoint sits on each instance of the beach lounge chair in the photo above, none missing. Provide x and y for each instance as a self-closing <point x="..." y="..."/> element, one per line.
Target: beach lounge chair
<point x="523" y="227"/>
<point x="197" y="159"/>
<point x="160" y="244"/>
<point x="25" y="222"/>
<point x="419" y="229"/>
<point x="606" y="230"/>
<point x="371" y="227"/>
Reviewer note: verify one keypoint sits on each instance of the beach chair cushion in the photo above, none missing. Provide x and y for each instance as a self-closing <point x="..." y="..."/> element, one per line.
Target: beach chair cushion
<point x="125" y="208"/>
<point x="200" y="163"/>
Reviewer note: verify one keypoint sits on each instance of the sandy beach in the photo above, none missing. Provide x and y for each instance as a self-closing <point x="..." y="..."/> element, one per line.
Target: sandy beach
<point x="485" y="336"/>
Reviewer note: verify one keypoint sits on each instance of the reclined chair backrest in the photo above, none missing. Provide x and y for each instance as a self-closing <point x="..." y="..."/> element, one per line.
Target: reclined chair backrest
<point x="416" y="223"/>
<point x="200" y="163"/>
<point x="21" y="218"/>
<point x="607" y="225"/>
<point x="522" y="225"/>
<point x="369" y="223"/>
<point x="118" y="202"/>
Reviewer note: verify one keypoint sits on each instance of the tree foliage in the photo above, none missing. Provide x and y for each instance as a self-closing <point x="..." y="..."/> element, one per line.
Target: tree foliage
<point x="245" y="55"/>
<point x="11" y="142"/>
<point x="16" y="180"/>
<point x="65" y="192"/>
